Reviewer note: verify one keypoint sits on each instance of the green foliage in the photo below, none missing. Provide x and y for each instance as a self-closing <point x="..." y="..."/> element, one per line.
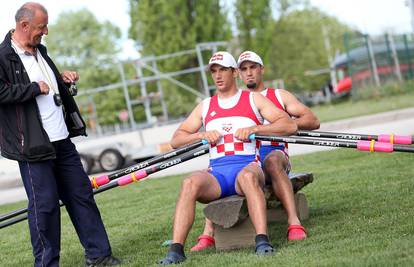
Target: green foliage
<point x="162" y="27"/>
<point x="254" y="24"/>
<point x="298" y="45"/>
<point x="290" y="43"/>
<point x="78" y="41"/>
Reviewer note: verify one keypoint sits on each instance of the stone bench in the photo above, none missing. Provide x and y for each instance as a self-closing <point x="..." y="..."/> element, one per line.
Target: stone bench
<point x="233" y="228"/>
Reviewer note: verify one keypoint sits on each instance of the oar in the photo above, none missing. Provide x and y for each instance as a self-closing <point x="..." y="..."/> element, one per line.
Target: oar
<point x="385" y="138"/>
<point x="104" y="179"/>
<point x="371" y="146"/>
<point x="141" y="174"/>
<point x="132" y="177"/>
<point x="12" y="214"/>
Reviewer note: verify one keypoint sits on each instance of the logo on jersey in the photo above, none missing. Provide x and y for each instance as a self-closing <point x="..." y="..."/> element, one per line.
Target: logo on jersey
<point x="227" y="127"/>
<point x="213" y="113"/>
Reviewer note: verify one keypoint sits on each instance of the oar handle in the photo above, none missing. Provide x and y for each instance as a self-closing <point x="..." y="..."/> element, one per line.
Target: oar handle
<point x="395" y="139"/>
<point x="133" y="177"/>
<point x="373" y="146"/>
<point x="96" y="182"/>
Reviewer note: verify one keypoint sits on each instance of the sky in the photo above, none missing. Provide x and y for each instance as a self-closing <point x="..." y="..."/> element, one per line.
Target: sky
<point x="369" y="16"/>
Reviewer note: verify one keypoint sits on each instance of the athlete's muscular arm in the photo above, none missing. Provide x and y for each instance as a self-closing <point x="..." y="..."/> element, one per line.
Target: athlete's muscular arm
<point x="280" y="122"/>
<point x="303" y="116"/>
<point x="188" y="133"/>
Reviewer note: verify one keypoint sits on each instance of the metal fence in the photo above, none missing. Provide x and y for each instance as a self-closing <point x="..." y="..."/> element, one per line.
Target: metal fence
<point x="135" y="90"/>
<point x="374" y="61"/>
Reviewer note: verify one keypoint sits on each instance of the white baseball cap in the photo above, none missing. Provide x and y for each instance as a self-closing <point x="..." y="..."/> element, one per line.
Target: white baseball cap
<point x="224" y="59"/>
<point x="249" y="56"/>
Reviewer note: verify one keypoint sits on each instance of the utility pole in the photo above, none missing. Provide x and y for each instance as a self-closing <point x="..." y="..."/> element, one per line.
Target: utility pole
<point x="412" y="13"/>
<point x="332" y="72"/>
<point x="410" y="4"/>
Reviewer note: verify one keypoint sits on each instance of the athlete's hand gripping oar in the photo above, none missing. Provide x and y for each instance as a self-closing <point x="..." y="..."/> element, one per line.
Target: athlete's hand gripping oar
<point x="129" y="178"/>
<point x="104" y="179"/>
<point x="384" y="138"/>
<point x="371" y="146"/>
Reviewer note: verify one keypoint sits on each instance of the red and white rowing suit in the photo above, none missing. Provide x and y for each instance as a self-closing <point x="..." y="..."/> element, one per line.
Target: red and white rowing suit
<point x="268" y="146"/>
<point x="230" y="155"/>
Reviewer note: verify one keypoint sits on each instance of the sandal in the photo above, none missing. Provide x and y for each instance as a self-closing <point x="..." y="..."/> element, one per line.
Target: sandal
<point x="264" y="248"/>
<point x="296" y="232"/>
<point x="204" y="242"/>
<point x="172" y="258"/>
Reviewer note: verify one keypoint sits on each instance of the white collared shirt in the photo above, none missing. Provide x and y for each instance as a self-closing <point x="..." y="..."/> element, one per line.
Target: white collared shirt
<point x="51" y="115"/>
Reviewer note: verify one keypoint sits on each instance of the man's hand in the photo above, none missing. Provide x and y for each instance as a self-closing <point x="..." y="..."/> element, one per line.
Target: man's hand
<point x="69" y="76"/>
<point x="212" y="137"/>
<point x="44" y="88"/>
<point x="243" y="133"/>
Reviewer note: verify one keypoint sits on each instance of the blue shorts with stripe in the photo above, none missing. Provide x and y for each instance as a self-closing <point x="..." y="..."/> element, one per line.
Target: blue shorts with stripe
<point x="226" y="169"/>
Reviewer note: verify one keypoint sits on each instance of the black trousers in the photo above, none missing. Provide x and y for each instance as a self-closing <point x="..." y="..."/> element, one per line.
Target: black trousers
<point x="62" y="178"/>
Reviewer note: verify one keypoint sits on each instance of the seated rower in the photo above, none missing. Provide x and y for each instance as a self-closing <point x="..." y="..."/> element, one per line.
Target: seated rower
<point x="229" y="118"/>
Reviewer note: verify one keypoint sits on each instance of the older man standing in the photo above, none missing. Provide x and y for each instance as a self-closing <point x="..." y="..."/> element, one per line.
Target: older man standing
<point x="38" y="115"/>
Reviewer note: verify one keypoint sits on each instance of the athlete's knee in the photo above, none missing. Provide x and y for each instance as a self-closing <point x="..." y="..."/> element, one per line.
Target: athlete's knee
<point x="275" y="162"/>
<point x="190" y="186"/>
<point x="248" y="179"/>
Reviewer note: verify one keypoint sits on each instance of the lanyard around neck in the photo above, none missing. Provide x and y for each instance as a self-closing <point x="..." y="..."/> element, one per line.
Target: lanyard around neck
<point x="42" y="60"/>
<point x="45" y="72"/>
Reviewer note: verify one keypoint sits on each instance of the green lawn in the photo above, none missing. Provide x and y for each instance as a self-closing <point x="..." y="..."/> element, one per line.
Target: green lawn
<point x="351" y="108"/>
<point x="361" y="214"/>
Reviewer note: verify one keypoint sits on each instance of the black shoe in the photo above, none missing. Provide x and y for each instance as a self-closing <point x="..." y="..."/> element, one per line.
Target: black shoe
<point x="172" y="258"/>
<point x="102" y="261"/>
<point x="264" y="248"/>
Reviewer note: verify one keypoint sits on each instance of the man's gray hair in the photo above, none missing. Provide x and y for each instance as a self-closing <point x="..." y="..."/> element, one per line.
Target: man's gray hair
<point x="27" y="11"/>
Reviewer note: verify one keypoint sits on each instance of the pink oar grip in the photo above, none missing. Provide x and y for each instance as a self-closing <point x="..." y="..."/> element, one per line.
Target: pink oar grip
<point x="101" y="180"/>
<point x="398" y="139"/>
<point x="98" y="181"/>
<point x="377" y="146"/>
<point x="125" y="180"/>
<point x="135" y="176"/>
<point x="140" y="174"/>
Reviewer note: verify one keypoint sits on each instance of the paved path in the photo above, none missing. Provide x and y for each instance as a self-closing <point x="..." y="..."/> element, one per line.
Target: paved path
<point x="400" y="122"/>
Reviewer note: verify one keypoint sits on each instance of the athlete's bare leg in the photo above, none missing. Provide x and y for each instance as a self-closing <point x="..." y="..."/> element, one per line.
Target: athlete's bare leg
<point x="208" y="228"/>
<point x="250" y="183"/>
<point x="199" y="186"/>
<point x="275" y="166"/>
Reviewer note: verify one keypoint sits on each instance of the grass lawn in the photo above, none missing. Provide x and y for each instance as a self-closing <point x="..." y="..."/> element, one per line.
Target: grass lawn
<point x="350" y="108"/>
<point x="361" y="214"/>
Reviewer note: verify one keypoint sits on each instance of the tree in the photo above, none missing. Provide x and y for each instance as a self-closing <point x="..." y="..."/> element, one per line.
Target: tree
<point x="254" y="25"/>
<point x="162" y="27"/>
<point x="79" y="41"/>
<point x="298" y="45"/>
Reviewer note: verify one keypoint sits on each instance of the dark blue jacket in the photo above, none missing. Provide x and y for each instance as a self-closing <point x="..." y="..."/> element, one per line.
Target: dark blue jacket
<point x="22" y="136"/>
